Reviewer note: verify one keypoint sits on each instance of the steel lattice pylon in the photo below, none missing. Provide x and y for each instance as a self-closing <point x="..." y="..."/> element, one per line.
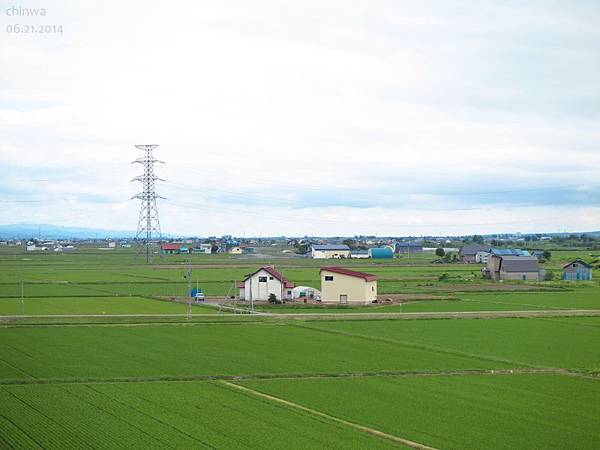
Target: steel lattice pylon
<point x="148" y="223"/>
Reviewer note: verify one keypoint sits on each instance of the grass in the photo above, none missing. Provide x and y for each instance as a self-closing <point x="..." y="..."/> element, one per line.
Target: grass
<point x="566" y="342"/>
<point x="141" y="415"/>
<point x="95" y="305"/>
<point x="180" y="350"/>
<point x="121" y="382"/>
<point x="508" y="411"/>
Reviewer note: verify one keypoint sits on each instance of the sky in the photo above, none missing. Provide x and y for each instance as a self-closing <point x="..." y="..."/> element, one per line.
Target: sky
<point x="304" y="118"/>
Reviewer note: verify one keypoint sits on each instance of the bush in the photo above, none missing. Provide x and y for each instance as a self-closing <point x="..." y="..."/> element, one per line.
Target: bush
<point x="439" y="251"/>
<point x="273" y="299"/>
<point x="549" y="275"/>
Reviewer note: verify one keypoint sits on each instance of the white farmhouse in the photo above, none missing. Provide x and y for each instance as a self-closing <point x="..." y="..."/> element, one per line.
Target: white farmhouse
<point x="259" y="285"/>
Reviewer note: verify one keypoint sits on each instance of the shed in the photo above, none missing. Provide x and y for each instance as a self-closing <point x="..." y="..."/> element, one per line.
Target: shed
<point x="577" y="270"/>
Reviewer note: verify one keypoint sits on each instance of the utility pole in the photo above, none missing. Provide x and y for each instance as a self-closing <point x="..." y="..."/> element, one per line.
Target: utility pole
<point x="22" y="298"/>
<point x="189" y="277"/>
<point x="148" y="223"/>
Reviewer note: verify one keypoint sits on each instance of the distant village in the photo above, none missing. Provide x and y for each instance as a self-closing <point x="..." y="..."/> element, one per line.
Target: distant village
<point x="499" y="257"/>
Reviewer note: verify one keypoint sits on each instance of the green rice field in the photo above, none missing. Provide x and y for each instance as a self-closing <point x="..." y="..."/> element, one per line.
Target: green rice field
<point x="224" y="380"/>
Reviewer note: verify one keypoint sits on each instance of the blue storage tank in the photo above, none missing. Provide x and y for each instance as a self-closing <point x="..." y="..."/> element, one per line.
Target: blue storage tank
<point x="382" y="252"/>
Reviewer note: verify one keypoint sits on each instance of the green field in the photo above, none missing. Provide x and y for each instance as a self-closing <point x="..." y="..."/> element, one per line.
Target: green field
<point x="231" y="380"/>
<point x="507" y="411"/>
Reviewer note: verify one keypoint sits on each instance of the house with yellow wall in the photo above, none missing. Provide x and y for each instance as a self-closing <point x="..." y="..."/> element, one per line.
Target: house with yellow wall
<point x="344" y="286"/>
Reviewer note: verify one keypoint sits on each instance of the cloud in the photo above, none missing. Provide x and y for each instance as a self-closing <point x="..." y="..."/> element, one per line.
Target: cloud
<point x="393" y="109"/>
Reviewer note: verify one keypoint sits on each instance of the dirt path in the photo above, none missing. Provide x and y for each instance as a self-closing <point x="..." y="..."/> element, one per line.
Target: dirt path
<point x="317" y="316"/>
<point x="323" y="415"/>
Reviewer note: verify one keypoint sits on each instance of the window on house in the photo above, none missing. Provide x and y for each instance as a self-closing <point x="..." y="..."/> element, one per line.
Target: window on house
<point x="262" y="279"/>
<point x="289" y="292"/>
<point x="328" y="277"/>
<point x="372" y="288"/>
<point x="270" y="278"/>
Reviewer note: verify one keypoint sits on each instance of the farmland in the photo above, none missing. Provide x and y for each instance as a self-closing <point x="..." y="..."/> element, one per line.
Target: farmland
<point x="224" y="380"/>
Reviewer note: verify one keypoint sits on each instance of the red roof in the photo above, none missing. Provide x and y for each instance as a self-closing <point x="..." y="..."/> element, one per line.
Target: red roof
<point x="171" y="246"/>
<point x="350" y="273"/>
<point x="276" y="274"/>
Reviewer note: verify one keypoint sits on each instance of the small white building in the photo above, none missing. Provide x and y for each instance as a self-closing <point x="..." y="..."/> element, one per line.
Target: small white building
<point x="481" y="257"/>
<point x="259" y="285"/>
<point x="329" y="251"/>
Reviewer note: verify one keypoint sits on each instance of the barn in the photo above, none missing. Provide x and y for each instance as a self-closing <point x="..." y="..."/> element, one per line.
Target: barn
<point x="343" y="286"/>
<point x="577" y="270"/>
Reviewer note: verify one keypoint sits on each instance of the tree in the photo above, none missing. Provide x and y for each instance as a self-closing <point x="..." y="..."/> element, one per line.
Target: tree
<point x="478" y="239"/>
<point x="349" y="242"/>
<point x="547" y="255"/>
<point x="273" y="299"/>
<point x="440" y="252"/>
<point x="549" y="275"/>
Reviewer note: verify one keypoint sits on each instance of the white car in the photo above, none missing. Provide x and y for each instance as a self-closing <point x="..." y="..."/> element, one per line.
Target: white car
<point x="199" y="297"/>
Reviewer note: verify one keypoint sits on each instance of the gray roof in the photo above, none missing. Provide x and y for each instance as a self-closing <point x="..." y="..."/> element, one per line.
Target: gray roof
<point x="520" y="264"/>
<point x="473" y="249"/>
<point x="509" y="252"/>
<point x="330" y="247"/>
<point x="408" y="244"/>
<point x="578" y="261"/>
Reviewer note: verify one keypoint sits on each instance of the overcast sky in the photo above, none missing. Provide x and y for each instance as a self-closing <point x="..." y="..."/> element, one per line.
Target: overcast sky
<point x="307" y="117"/>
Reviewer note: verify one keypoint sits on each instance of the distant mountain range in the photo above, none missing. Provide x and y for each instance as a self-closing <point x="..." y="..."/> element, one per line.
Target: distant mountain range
<point x="47" y="231"/>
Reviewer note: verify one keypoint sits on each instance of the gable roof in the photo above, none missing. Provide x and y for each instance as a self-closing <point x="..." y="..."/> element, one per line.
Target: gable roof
<point x="275" y="274"/>
<point x="473" y="249"/>
<point x="578" y="261"/>
<point x="350" y="273"/>
<point x="330" y="247"/>
<point x="520" y="264"/>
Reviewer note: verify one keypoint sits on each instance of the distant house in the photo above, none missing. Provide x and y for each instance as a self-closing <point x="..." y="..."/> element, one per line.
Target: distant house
<point x="468" y="253"/>
<point x="344" y="286"/>
<point x="482" y="257"/>
<point x="205" y="249"/>
<point x="329" y="251"/>
<point x="510" y="267"/>
<point x="577" y="270"/>
<point x="184" y="250"/>
<point x="381" y="253"/>
<point x="259" y="285"/>
<point x="170" y="248"/>
<point x="408" y="248"/>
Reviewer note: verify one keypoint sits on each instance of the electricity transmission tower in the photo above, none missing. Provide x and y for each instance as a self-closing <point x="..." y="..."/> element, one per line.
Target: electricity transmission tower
<point x="148" y="223"/>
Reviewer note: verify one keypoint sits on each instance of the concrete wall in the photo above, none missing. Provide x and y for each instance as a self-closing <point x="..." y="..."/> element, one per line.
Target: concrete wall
<point x="357" y="289"/>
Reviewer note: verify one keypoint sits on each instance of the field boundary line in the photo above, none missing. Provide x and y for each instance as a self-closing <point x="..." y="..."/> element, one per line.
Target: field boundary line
<point x="323" y="415"/>
<point x="423" y="347"/>
<point x="284" y="376"/>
